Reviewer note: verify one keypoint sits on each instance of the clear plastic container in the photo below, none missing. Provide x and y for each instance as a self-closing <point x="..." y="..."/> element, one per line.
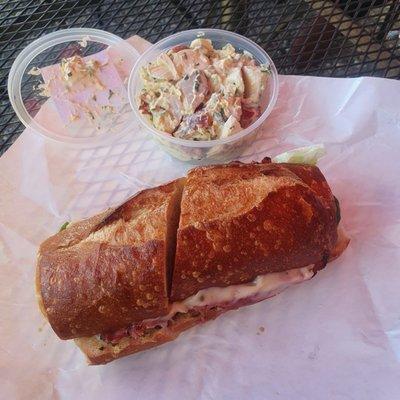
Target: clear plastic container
<point x="87" y="117"/>
<point x="219" y="150"/>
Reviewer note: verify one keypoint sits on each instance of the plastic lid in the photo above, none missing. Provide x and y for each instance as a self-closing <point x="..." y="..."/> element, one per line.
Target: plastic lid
<point x="81" y="76"/>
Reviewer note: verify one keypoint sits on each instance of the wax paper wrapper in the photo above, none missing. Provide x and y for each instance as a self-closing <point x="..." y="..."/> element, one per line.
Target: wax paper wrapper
<point x="336" y="336"/>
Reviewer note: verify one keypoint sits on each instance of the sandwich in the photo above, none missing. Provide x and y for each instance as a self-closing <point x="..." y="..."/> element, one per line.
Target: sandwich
<point x="180" y="254"/>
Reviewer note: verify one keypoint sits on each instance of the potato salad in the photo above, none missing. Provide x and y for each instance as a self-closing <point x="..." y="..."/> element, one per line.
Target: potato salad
<point x="197" y="92"/>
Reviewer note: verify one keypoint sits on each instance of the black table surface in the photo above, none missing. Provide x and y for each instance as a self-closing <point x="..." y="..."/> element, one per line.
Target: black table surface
<point x="340" y="38"/>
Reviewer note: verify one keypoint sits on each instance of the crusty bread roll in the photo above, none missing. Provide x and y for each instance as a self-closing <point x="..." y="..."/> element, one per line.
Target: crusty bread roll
<point x="239" y="221"/>
<point x="105" y="272"/>
<point x="183" y="253"/>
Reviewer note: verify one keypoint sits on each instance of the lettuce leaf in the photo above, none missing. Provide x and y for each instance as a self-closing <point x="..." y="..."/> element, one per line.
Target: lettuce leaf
<point x="302" y="155"/>
<point x="64" y="226"/>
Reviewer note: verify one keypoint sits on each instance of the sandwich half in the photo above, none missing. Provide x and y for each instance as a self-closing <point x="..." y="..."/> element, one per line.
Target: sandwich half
<point x="183" y="253"/>
<point x="106" y="272"/>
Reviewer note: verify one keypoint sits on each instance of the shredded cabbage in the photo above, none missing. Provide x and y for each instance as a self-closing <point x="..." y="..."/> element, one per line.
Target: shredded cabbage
<point x="302" y="155"/>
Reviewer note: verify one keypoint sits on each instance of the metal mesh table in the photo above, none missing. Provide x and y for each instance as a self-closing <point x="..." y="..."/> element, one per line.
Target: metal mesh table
<point x="327" y="38"/>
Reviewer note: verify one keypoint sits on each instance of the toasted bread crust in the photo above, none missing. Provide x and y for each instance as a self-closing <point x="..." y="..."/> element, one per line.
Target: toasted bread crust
<point x="243" y="220"/>
<point x="315" y="180"/>
<point x="110" y="270"/>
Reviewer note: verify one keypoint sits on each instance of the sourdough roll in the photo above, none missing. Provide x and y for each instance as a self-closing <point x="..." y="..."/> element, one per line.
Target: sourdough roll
<point x="180" y="254"/>
<point x="239" y="221"/>
<point x="106" y="272"/>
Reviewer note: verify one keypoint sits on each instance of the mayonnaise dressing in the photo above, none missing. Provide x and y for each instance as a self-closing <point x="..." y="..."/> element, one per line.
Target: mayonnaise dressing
<point x="261" y="288"/>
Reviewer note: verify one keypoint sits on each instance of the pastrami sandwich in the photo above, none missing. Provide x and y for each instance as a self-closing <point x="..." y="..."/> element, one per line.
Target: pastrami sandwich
<point x="177" y="255"/>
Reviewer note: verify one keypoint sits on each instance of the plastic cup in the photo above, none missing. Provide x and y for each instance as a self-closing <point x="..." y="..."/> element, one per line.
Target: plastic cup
<point x="44" y="114"/>
<point x="212" y="151"/>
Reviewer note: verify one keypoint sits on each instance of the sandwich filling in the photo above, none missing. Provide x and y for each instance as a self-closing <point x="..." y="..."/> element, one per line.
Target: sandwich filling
<point x="225" y="298"/>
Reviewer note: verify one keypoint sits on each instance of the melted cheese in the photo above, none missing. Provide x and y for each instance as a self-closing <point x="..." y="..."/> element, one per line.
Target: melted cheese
<point x="261" y="288"/>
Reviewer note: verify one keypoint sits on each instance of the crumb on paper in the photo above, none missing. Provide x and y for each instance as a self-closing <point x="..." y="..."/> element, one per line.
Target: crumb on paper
<point x="41" y="327"/>
<point x="314" y="354"/>
<point x="261" y="329"/>
<point x="73" y="117"/>
<point x="34" y="71"/>
<point x="83" y="42"/>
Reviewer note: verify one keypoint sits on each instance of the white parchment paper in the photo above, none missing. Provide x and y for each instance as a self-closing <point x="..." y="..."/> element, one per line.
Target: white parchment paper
<point x="334" y="337"/>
